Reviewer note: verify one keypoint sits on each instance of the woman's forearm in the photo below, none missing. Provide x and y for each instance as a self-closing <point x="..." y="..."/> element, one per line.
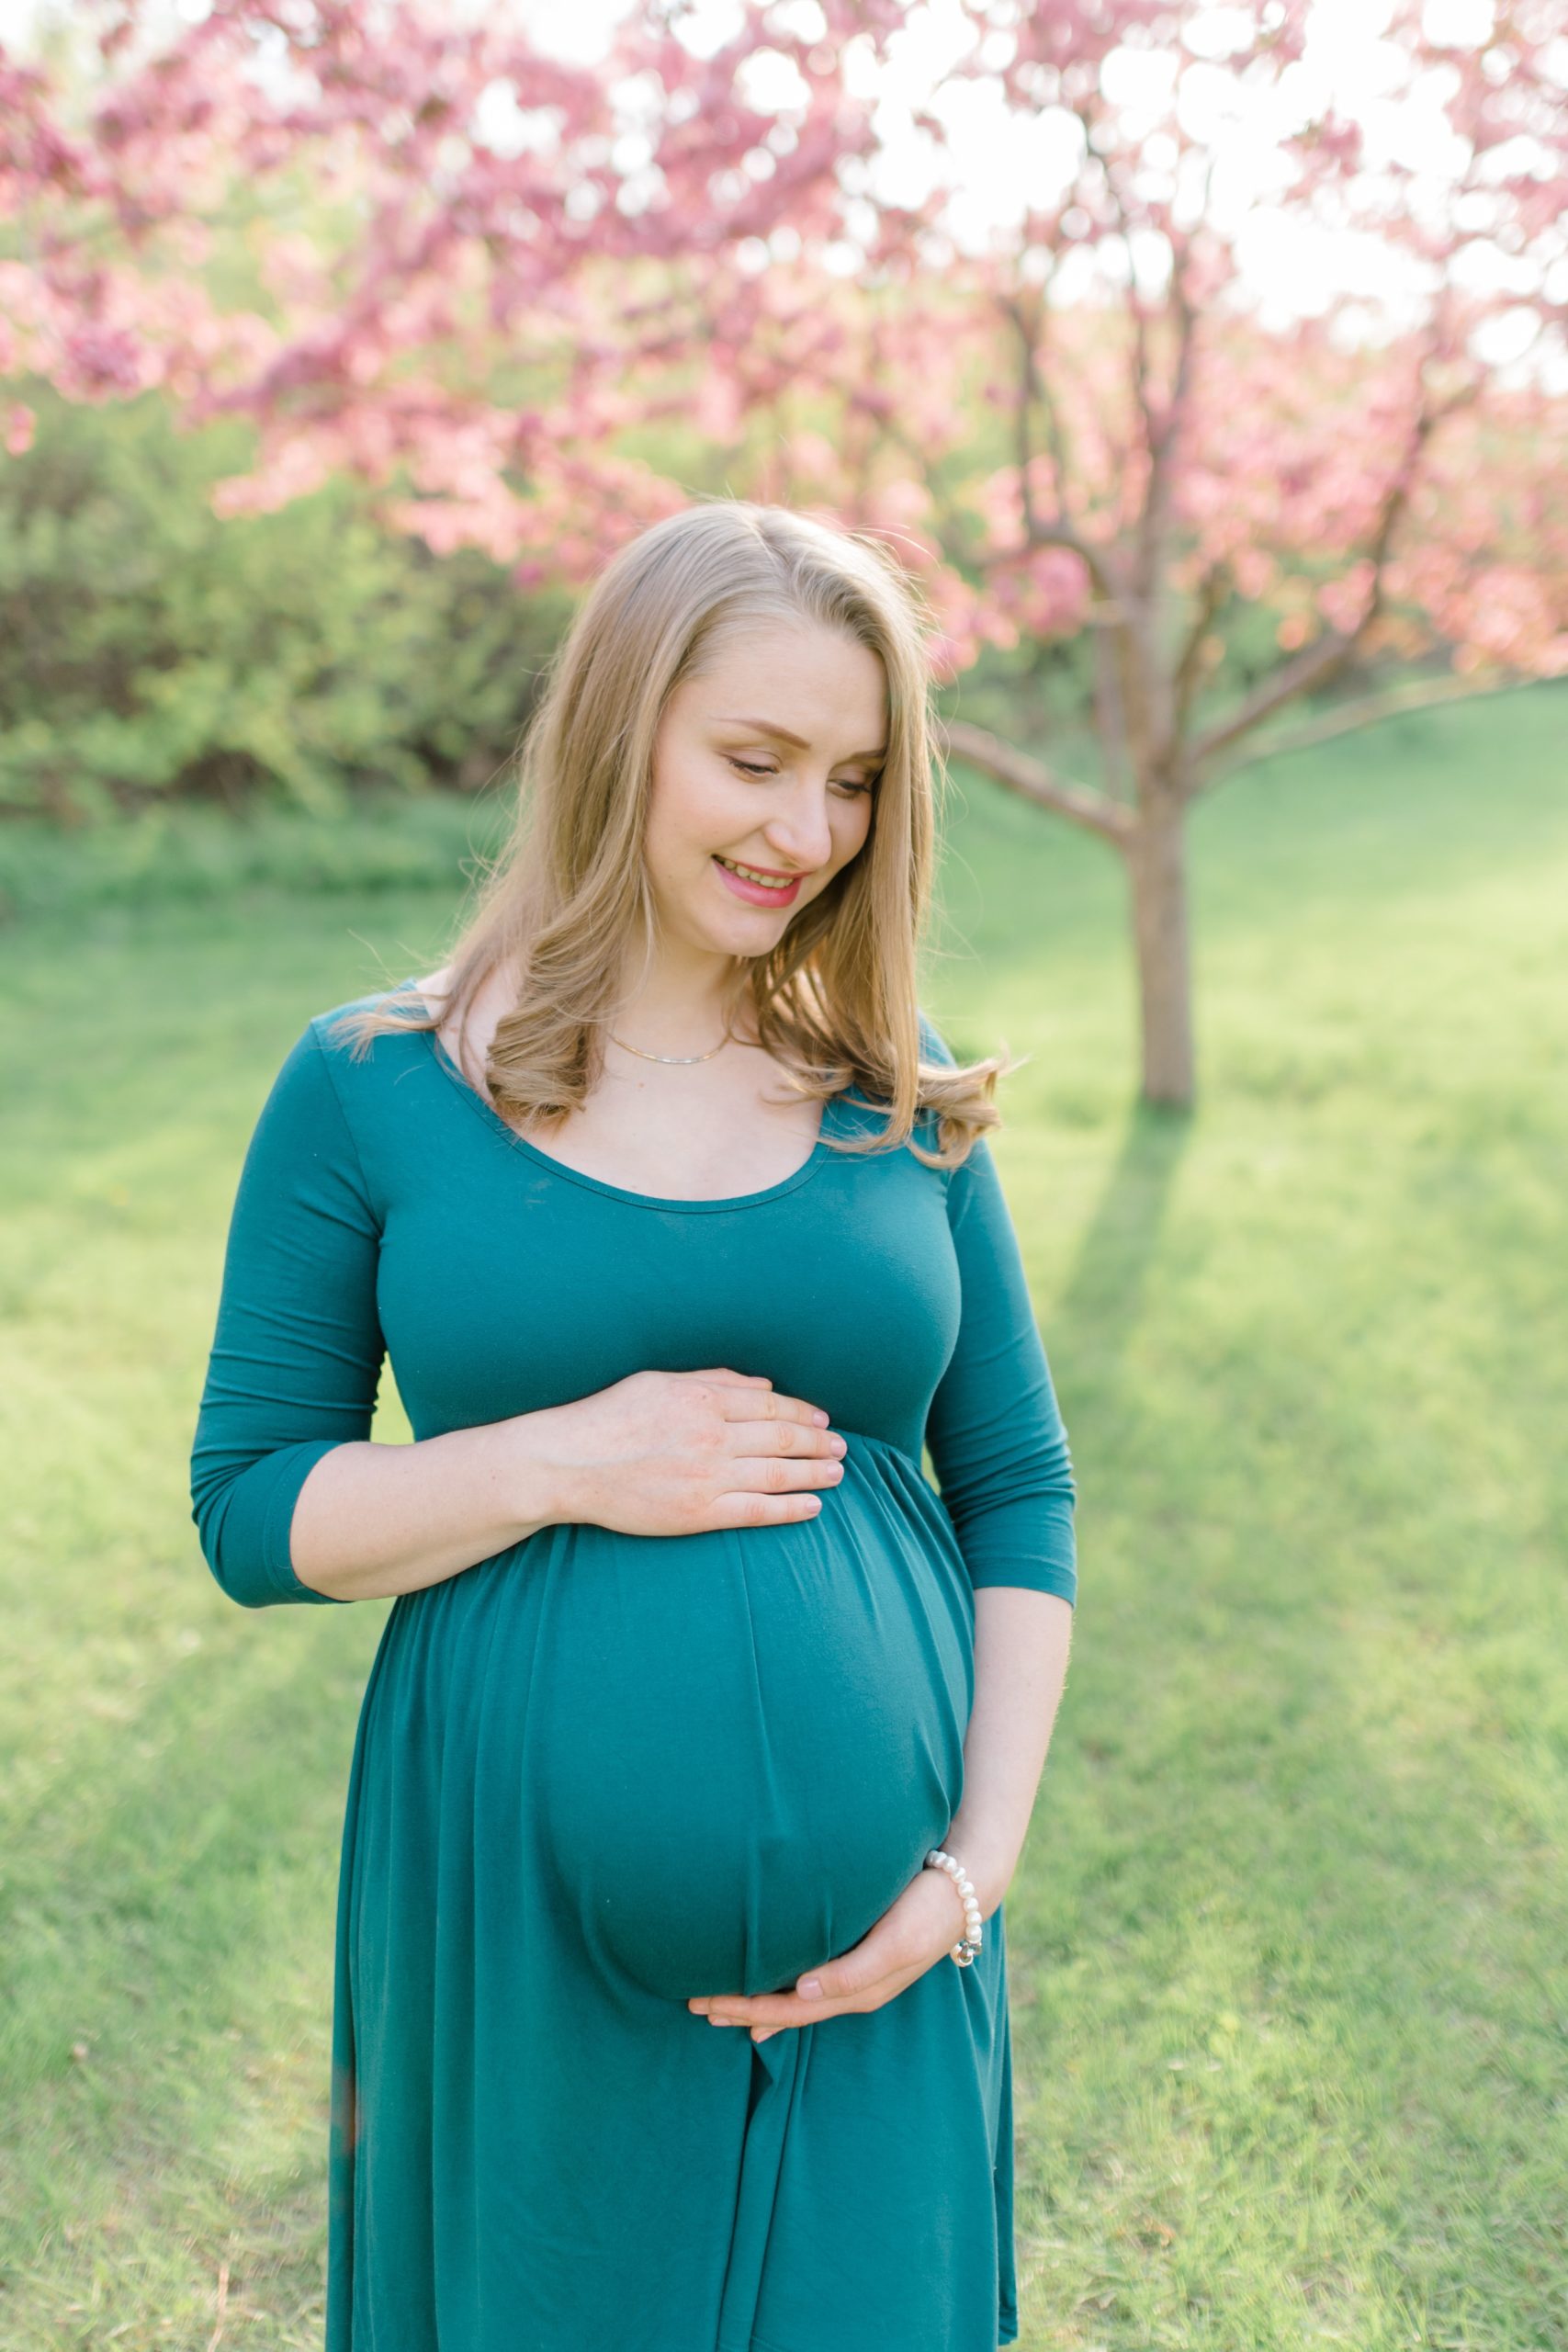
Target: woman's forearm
<point x="1021" y="1639"/>
<point x="372" y="1520"/>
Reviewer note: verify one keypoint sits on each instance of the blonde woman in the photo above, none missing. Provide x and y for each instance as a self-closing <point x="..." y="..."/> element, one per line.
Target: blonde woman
<point x="699" y="1748"/>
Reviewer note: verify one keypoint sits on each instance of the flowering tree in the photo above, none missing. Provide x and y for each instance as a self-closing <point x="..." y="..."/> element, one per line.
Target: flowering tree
<point x="1085" y="425"/>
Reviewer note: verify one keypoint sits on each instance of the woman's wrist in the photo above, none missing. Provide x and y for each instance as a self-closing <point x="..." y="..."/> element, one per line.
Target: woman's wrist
<point x="538" y="1478"/>
<point x="989" y="1860"/>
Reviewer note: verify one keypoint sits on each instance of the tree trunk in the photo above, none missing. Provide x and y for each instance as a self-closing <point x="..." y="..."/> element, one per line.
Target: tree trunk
<point x="1156" y="873"/>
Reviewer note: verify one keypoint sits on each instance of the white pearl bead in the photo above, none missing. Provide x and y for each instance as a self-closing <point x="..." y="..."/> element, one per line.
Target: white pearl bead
<point x="965" y="1952"/>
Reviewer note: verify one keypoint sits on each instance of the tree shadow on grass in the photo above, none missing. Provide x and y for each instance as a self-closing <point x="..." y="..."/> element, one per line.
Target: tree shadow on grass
<point x="1100" y="1305"/>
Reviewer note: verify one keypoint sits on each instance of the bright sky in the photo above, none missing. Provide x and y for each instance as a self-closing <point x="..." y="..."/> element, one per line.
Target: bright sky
<point x="1289" y="268"/>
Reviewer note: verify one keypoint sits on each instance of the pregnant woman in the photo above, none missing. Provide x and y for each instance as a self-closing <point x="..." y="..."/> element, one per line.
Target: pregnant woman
<point x="700" y="1743"/>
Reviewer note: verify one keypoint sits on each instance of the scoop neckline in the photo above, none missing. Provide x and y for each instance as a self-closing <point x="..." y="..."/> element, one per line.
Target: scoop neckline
<point x="493" y="1118"/>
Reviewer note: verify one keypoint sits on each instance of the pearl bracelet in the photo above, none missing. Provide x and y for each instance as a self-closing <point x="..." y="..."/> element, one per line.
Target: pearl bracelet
<point x="968" y="1949"/>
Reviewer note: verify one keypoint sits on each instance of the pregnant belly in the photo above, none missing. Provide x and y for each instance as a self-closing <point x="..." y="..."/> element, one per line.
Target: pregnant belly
<point x="717" y="1758"/>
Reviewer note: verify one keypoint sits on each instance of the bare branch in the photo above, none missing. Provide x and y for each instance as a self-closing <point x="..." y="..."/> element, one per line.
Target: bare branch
<point x="1212" y="592"/>
<point x="1318" y="664"/>
<point x="1025" y="449"/>
<point x="1034" y="781"/>
<point x="1156" y="434"/>
<point x="1111" y="611"/>
<point x="1421" y="694"/>
<point x="1030" y="326"/>
<point x="1057" y="530"/>
<point x="1123" y="607"/>
<point x="1312" y="666"/>
<point x="1162" y="439"/>
<point x="1110" y="711"/>
<point x="1172" y="694"/>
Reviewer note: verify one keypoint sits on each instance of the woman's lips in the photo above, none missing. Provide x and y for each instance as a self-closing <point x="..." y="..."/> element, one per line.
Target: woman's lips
<point x="782" y="896"/>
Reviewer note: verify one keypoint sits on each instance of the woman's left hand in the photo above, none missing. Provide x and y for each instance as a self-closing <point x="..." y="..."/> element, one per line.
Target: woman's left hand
<point x="911" y="1936"/>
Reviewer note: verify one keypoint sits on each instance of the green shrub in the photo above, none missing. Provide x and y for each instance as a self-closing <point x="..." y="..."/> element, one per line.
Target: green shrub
<point x="150" y="650"/>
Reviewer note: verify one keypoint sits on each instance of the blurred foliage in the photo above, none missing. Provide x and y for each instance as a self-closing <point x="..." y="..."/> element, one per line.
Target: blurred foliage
<point x="151" y="650"/>
<point x="188" y="852"/>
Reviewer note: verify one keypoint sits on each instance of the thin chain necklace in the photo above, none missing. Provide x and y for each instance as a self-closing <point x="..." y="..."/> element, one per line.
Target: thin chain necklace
<point x="684" y="1059"/>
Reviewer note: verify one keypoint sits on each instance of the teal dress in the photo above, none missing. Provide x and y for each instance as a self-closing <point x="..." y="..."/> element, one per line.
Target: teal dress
<point x="599" y="1773"/>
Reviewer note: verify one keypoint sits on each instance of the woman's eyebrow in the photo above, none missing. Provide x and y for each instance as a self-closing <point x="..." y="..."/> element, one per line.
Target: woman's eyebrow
<point x="768" y="727"/>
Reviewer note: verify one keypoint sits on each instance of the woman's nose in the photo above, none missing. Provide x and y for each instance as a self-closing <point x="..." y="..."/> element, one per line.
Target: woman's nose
<point x="802" y="833"/>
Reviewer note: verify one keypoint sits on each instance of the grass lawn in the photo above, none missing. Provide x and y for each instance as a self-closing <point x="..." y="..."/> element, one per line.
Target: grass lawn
<point x="1288" y="1995"/>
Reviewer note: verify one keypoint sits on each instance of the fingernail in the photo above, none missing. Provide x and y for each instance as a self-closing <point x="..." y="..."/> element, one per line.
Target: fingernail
<point x="810" y="1988"/>
<point x="820" y="1419"/>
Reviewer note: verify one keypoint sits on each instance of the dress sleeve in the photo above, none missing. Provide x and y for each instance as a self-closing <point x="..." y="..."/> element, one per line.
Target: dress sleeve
<point x="297" y="1351"/>
<point x="995" y="1432"/>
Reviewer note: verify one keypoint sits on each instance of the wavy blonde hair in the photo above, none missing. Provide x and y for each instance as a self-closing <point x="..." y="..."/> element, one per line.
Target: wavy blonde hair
<point x="835" y="1001"/>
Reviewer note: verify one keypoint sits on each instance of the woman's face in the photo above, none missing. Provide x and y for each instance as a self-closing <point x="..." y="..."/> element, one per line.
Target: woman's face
<point x="768" y="762"/>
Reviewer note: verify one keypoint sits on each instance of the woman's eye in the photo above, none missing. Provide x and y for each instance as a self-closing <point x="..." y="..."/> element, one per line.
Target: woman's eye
<point x="746" y="768"/>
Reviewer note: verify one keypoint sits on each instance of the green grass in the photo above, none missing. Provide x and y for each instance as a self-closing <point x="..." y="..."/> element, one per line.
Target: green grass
<point x="1291" y="2019"/>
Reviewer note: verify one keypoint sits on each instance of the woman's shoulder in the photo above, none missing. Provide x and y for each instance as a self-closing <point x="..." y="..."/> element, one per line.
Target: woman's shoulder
<point x="337" y="1064"/>
<point x="339" y="1095"/>
<point x="339" y="1028"/>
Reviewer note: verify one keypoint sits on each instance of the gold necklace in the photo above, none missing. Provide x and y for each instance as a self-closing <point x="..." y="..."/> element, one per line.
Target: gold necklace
<point x="684" y="1059"/>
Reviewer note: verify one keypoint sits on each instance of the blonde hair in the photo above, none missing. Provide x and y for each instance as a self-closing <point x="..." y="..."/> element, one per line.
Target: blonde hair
<point x="835" y="1001"/>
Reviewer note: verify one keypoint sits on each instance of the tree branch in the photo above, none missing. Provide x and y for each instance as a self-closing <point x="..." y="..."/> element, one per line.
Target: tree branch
<point x="1029" y="322"/>
<point x="1213" y="590"/>
<point x="1365" y="711"/>
<point x="1316" y="664"/>
<point x="1034" y="781"/>
<point x="1057" y="530"/>
<point x="1312" y="666"/>
<point x="1109" y="713"/>
<point x="1023" y="451"/>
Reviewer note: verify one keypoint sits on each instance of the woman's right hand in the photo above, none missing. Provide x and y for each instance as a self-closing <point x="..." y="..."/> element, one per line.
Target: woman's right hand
<point x="681" y="1453"/>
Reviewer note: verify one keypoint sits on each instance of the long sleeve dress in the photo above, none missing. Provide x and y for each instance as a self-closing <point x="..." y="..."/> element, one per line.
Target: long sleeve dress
<point x="599" y="1773"/>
